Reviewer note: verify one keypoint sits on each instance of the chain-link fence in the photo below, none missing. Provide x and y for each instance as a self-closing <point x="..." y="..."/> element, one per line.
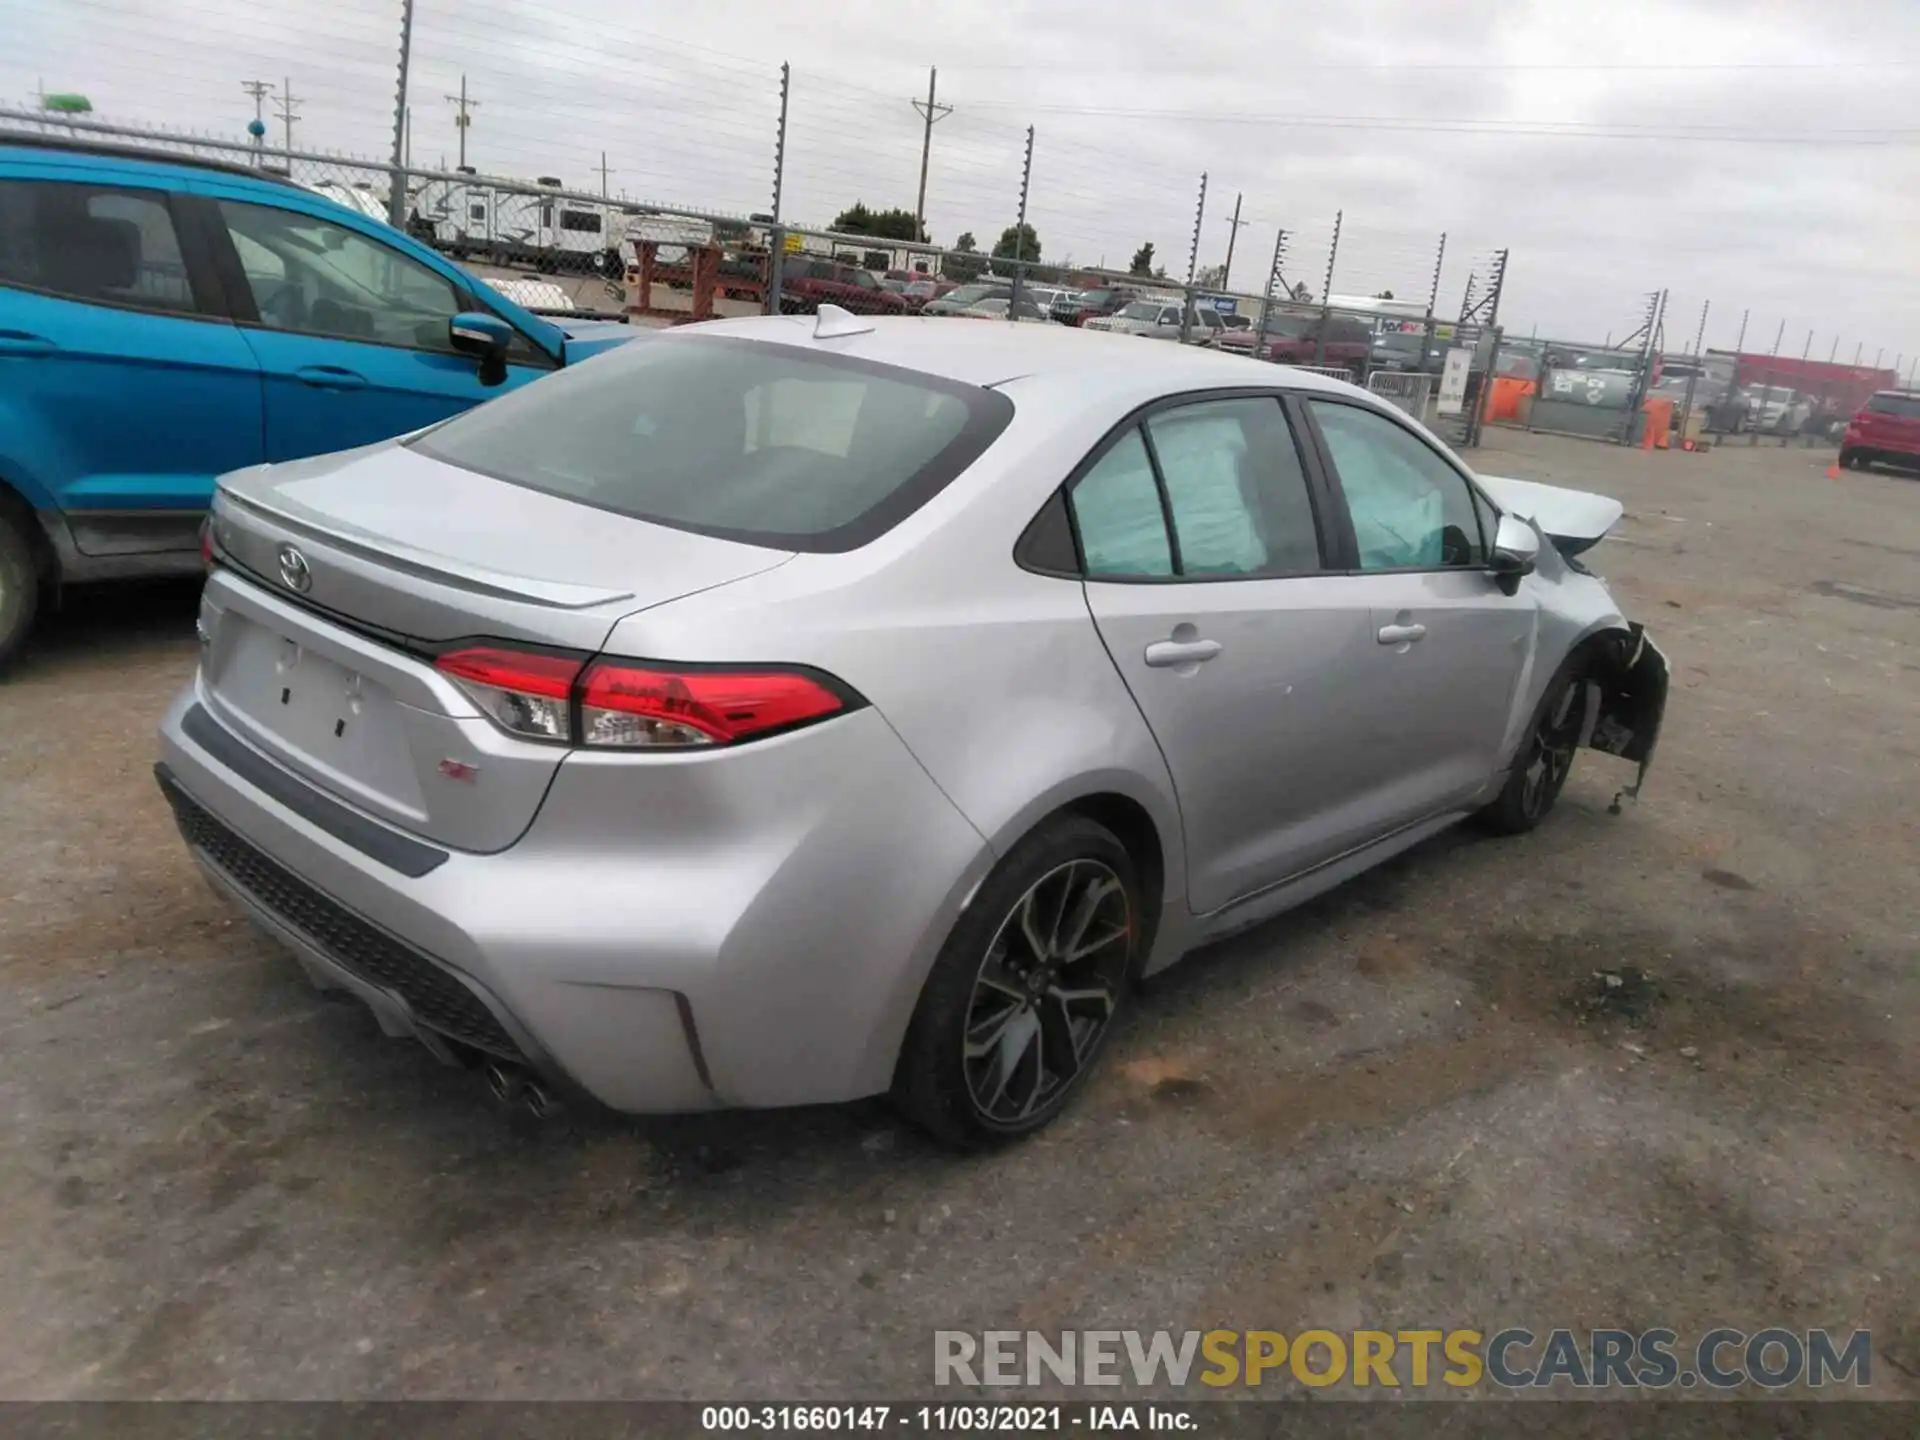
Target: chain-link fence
<point x="555" y="247"/>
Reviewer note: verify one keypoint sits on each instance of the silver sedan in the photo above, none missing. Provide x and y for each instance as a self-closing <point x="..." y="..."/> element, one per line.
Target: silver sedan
<point x="805" y="708"/>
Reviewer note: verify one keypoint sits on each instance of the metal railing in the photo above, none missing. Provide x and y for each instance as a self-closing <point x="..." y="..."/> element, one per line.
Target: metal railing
<point x="1410" y="390"/>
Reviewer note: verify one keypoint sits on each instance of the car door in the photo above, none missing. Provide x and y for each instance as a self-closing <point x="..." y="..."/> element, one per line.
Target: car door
<point x="351" y="332"/>
<point x="1447" y="647"/>
<point x="124" y="388"/>
<point x="1233" y="638"/>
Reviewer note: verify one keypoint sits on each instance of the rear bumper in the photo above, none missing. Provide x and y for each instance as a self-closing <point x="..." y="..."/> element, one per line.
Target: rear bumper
<point x="766" y="952"/>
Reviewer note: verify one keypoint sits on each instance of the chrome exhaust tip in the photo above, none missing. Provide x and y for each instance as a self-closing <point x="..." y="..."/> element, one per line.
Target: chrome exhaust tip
<point x="539" y="1104"/>
<point x="504" y="1082"/>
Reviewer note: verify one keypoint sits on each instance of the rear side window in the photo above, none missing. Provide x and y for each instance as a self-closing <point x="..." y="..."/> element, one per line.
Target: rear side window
<point x="1904" y="407"/>
<point x="1116" y="509"/>
<point x="95" y="243"/>
<point x="767" y="444"/>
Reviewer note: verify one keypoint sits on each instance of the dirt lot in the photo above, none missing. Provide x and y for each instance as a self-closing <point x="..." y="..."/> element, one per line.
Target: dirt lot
<point x="1412" y="1104"/>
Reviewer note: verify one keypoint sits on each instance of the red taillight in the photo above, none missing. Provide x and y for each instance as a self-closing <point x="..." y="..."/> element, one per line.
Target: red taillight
<point x="525" y="693"/>
<point x="628" y="706"/>
<point x="625" y="705"/>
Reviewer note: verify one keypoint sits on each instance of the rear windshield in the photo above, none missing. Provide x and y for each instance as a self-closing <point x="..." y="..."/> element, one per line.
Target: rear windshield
<point x="1907" y="407"/>
<point x="767" y="444"/>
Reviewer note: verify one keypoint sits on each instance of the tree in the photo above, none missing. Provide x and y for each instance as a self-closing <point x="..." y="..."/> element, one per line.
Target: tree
<point x="1016" y="242"/>
<point x="963" y="262"/>
<point x="1384" y="295"/>
<point x="857" y="219"/>
<point x="1302" y="292"/>
<point x="1142" y="262"/>
<point x="1211" y="278"/>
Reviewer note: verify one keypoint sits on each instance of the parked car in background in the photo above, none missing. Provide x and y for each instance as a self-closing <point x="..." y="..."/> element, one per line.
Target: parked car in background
<point x="1043" y="296"/>
<point x="964" y="297"/>
<point x="1886" y="431"/>
<point x="1295" y="339"/>
<point x="919" y="292"/>
<point x="1079" y="307"/>
<point x="825" y="741"/>
<point x="1025" y="311"/>
<point x="164" y="320"/>
<point x="1399" y="350"/>
<point x="807" y="284"/>
<point x="1160" y="320"/>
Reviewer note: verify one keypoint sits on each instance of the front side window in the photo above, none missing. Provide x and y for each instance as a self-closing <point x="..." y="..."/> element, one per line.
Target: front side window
<point x="1410" y="508"/>
<point x="317" y="278"/>
<point x="762" y="443"/>
<point x="93" y="243"/>
<point x="1116" y="510"/>
<point x="1236" y="489"/>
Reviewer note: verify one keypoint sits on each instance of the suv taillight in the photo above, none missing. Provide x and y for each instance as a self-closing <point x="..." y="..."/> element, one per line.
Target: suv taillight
<point x="608" y="704"/>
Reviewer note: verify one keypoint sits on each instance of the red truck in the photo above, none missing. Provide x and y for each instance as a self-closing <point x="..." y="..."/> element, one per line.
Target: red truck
<point x="806" y="284"/>
<point x="1295" y="340"/>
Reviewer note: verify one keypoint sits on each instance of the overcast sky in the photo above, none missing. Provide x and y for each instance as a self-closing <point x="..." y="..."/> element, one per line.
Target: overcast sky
<point x="1759" y="155"/>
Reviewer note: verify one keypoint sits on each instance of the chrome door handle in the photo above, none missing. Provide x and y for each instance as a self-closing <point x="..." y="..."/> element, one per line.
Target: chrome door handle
<point x="1401" y="634"/>
<point x="1165" y="653"/>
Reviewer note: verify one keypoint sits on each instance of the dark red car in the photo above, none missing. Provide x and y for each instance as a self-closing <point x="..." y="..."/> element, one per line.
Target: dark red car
<point x="1295" y="340"/>
<point x="1886" y="430"/>
<point x="1074" y="306"/>
<point x="806" y="284"/>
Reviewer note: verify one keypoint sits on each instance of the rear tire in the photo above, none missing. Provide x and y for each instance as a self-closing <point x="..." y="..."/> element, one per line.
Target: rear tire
<point x="19" y="588"/>
<point x="1020" y="1003"/>
<point x="1849" y="459"/>
<point x="1543" y="762"/>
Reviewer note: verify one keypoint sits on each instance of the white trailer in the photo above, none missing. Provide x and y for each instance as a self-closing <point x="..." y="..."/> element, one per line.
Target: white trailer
<point x="515" y="222"/>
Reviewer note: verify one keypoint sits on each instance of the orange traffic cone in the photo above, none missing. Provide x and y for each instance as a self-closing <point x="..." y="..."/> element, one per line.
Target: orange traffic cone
<point x="1833" y="471"/>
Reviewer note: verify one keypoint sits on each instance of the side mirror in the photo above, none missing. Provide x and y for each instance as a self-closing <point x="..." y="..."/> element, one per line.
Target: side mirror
<point x="486" y="338"/>
<point x="1516" y="551"/>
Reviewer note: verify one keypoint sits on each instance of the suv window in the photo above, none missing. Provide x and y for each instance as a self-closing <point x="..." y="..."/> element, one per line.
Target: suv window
<point x="1236" y="489"/>
<point x="763" y="443"/>
<point x="1410" y="508"/>
<point x="1350" y="332"/>
<point x="317" y="278"/>
<point x="94" y="243"/>
<point x="1116" y="510"/>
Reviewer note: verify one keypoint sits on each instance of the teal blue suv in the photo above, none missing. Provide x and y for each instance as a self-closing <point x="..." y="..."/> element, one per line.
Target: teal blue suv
<point x="164" y="320"/>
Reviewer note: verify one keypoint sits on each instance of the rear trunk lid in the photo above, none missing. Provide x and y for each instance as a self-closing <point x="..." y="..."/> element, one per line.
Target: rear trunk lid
<point x="341" y="577"/>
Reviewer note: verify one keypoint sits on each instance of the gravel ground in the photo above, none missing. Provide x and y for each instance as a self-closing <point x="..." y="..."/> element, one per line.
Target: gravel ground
<point x="1411" y="1104"/>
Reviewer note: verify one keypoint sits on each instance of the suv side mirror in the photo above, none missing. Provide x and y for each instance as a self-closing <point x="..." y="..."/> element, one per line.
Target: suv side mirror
<point x="486" y="338"/>
<point x="1516" y="551"/>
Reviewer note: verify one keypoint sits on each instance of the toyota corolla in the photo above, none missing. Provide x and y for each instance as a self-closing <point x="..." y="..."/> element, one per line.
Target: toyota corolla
<point x="804" y="708"/>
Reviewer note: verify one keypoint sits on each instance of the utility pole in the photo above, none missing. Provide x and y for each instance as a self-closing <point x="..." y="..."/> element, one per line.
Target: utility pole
<point x="1878" y="356"/>
<point x="259" y="90"/>
<point x="604" y="172"/>
<point x="1233" y="234"/>
<point x="402" y="130"/>
<point x="463" y="119"/>
<point x="931" y="111"/>
<point x="1856" y="353"/>
<point x="287" y="114"/>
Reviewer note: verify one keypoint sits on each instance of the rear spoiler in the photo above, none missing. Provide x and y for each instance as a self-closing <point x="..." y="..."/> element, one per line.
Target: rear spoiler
<point x="1574" y="520"/>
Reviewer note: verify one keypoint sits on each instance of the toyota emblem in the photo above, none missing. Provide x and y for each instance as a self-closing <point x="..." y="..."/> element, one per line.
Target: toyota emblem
<point x="294" y="572"/>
